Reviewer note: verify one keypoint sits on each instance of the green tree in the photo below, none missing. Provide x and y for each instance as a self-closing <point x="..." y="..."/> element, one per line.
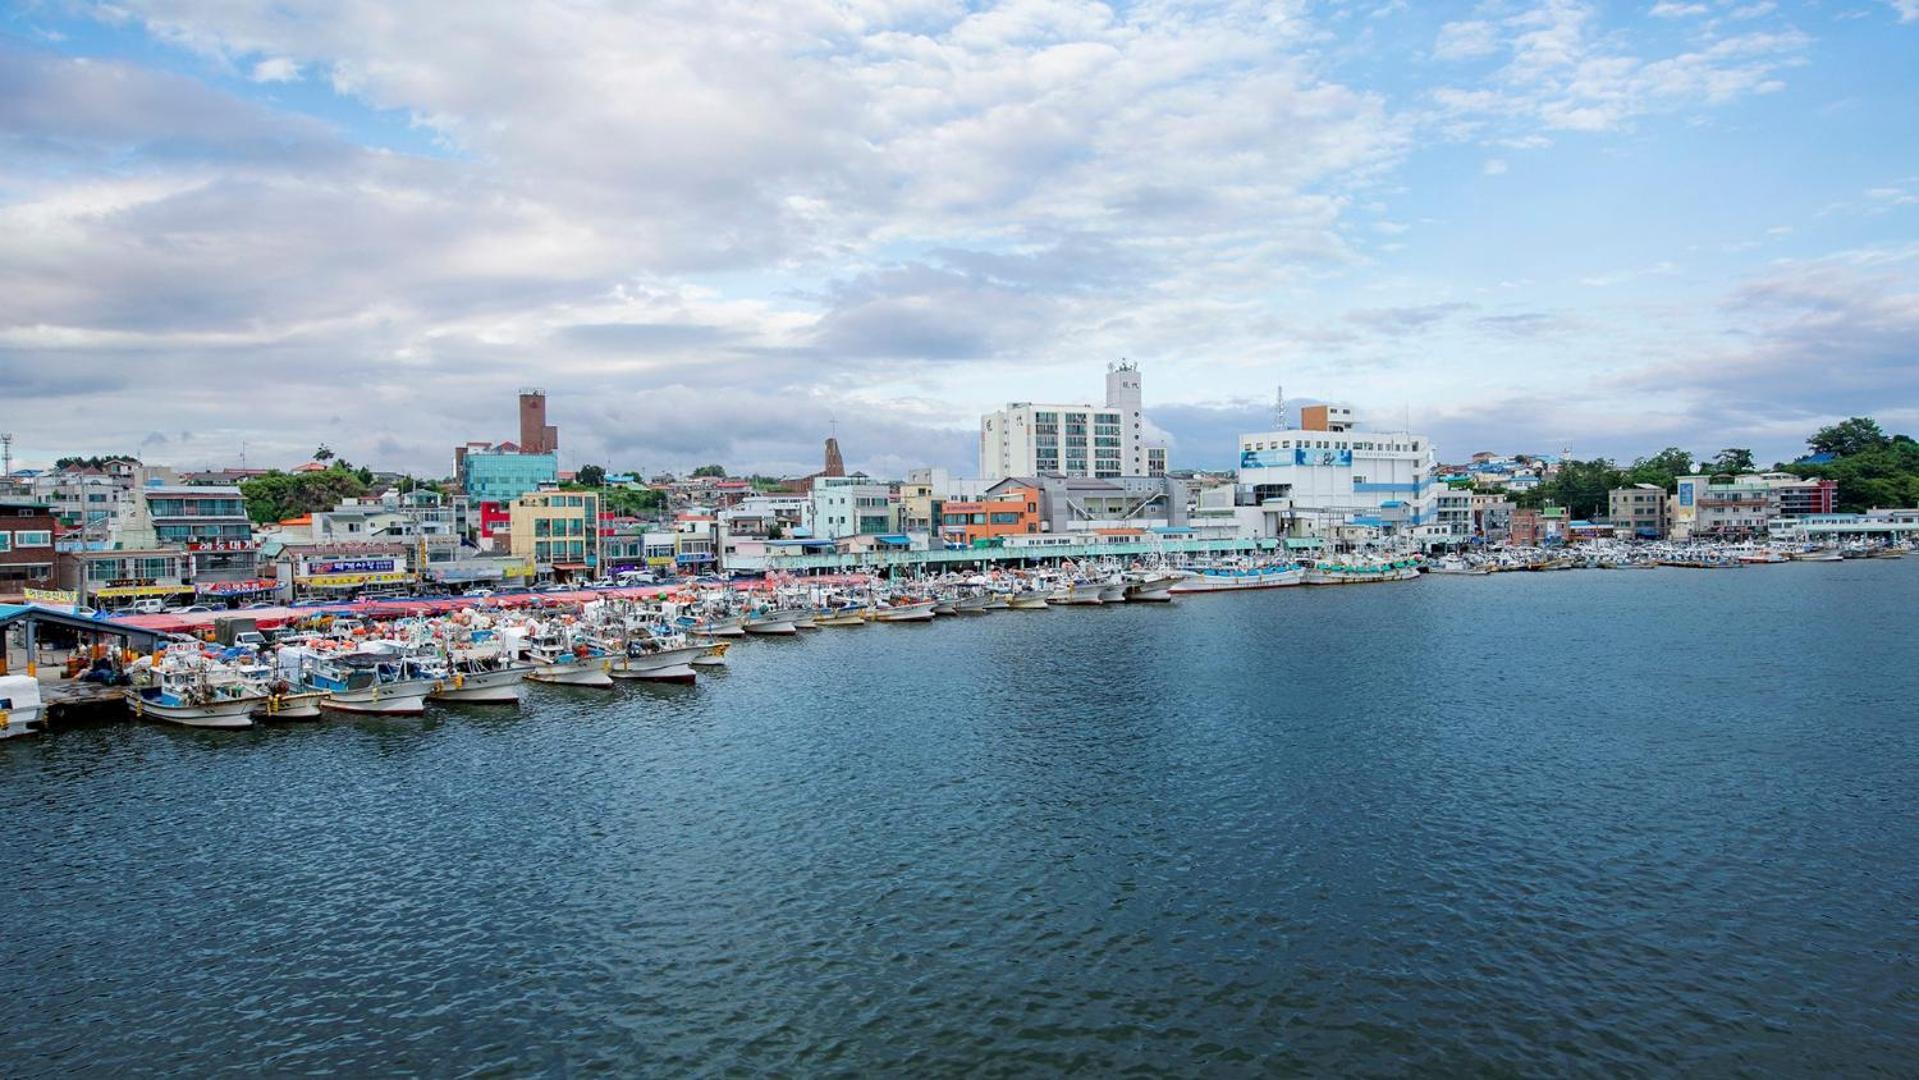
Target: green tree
<point x="1848" y="437"/>
<point x="324" y="453"/>
<point x="276" y="496"/>
<point x="1584" y="488"/>
<point x="591" y="476"/>
<point x="1734" y="460"/>
<point x="1664" y="468"/>
<point x="709" y="470"/>
<point x="776" y="531"/>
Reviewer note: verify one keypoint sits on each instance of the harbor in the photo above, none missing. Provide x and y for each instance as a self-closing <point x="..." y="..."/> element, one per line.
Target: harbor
<point x="394" y="657"/>
<point x="1078" y="835"/>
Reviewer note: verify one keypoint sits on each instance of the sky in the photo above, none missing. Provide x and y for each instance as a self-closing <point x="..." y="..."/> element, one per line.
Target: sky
<point x="717" y="231"/>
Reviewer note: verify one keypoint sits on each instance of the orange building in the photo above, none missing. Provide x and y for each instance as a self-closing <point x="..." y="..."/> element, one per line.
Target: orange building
<point x="1013" y="512"/>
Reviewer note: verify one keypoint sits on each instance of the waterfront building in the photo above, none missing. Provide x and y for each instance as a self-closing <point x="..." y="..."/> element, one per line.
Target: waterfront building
<point x="1085" y="504"/>
<point x="1797" y="497"/>
<point x="1327" y="473"/>
<point x="1010" y="511"/>
<point x="1024" y="438"/>
<point x="1452" y="514"/>
<point x="209" y="523"/>
<point x="501" y="474"/>
<point x="1492" y="517"/>
<point x="1545" y="525"/>
<point x="853" y="506"/>
<point x="27" y="558"/>
<point x="1639" y="510"/>
<point x="696" y="540"/>
<point x="1742" y="506"/>
<point x="109" y="579"/>
<point x="337" y="569"/>
<point x="559" y="531"/>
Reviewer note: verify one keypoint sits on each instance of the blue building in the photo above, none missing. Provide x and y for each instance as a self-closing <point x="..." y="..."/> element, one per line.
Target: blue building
<point x="501" y="476"/>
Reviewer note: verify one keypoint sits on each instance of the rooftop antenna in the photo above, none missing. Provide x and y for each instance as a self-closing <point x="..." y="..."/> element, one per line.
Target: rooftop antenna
<point x="6" y="455"/>
<point x="1279" y="408"/>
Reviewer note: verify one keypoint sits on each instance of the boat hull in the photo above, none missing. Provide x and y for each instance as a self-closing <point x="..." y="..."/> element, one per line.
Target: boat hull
<point x="1265" y="579"/>
<point x="387" y="699"/>
<point x="483" y="687"/>
<point x="589" y="672"/>
<point x="667" y="664"/>
<point x="230" y="713"/>
<point x="301" y="706"/>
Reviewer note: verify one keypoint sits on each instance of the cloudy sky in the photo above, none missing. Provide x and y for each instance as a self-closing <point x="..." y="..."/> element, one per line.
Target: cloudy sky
<point x="714" y="229"/>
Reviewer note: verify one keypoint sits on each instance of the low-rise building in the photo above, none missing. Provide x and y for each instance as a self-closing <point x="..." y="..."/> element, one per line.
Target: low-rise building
<point x="559" y="531"/>
<point x="27" y="559"/>
<point x="1012" y="510"/>
<point x="1639" y="511"/>
<point x="853" y="506"/>
<point x="114" y="579"/>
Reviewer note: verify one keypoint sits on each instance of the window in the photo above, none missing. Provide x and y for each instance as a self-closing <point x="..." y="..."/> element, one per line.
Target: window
<point x="6" y="542"/>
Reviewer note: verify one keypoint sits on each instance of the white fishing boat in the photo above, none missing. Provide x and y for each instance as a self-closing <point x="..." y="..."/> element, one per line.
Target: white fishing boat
<point x="21" y="711"/>
<point x="771" y="621"/>
<point x="1077" y="592"/>
<point x="658" y="658"/>
<point x="1028" y="600"/>
<point x="382" y="682"/>
<point x="904" y="610"/>
<point x="712" y="654"/>
<point x="186" y="688"/>
<point x="1153" y="587"/>
<point x="1453" y="564"/>
<point x="1361" y="572"/>
<point x="1227" y="577"/>
<point x="1113" y="592"/>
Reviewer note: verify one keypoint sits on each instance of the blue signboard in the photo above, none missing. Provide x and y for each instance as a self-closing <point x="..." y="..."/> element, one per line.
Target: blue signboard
<point x="1305" y="456"/>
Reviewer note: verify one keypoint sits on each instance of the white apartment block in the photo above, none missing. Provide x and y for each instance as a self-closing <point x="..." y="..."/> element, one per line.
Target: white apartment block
<point x="1026" y="439"/>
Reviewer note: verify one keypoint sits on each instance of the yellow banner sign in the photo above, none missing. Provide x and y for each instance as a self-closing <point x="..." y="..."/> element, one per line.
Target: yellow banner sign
<point x="142" y="590"/>
<point x="338" y="580"/>
<point x="52" y="596"/>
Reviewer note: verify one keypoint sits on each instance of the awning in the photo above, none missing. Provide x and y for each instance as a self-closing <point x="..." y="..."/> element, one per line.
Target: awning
<point x="142" y="590"/>
<point x="694" y="557"/>
<point x="571" y="566"/>
<point x="895" y="540"/>
<point x="235" y="588"/>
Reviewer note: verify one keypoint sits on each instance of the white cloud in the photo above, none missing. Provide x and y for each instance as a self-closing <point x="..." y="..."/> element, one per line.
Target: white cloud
<point x="1494" y="167"/>
<point x="1466" y="40"/>
<point x="275" y="69"/>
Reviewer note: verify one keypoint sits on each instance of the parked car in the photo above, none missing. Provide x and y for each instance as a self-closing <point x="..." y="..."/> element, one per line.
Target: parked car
<point x="190" y="609"/>
<point x="259" y="605"/>
<point x="149" y="606"/>
<point x="479" y="594"/>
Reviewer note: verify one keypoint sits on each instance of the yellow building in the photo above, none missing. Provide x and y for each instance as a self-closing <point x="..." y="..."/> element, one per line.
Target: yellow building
<point x="559" y="531"/>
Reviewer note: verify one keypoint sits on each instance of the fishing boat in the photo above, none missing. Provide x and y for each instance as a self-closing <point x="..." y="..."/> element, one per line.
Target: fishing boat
<point x="1361" y="572"/>
<point x="374" y="681"/>
<point x="20" y="707"/>
<point x="1224" y="577"/>
<point x="1028" y="600"/>
<point x="1113" y="592"/>
<point x="1150" y="586"/>
<point x="771" y="621"/>
<point x="848" y="615"/>
<point x="658" y="658"/>
<point x="905" y="609"/>
<point x="1818" y="555"/>
<point x="184" y="687"/>
<point x="1453" y="564"/>
<point x="1077" y="592"/>
<point x="565" y="656"/>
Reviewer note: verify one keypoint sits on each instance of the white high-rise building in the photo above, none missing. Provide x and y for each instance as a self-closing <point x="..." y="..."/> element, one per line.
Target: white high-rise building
<point x="1026" y="439"/>
<point x="1326" y="473"/>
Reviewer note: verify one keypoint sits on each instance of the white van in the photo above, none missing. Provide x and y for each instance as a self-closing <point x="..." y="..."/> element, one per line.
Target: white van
<point x="151" y="605"/>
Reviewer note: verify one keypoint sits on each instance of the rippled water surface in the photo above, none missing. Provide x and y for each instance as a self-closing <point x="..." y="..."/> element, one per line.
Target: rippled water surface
<point x="1592" y="822"/>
